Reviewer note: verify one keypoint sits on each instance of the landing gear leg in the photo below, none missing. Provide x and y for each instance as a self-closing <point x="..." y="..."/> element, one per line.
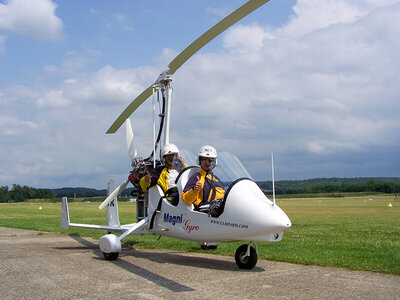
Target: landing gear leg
<point x="246" y="256"/>
<point x="209" y="246"/>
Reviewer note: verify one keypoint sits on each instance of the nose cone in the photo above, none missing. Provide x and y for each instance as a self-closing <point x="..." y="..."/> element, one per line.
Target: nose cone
<point x="279" y="219"/>
<point x="247" y="204"/>
<point x="286" y="224"/>
<point x="269" y="218"/>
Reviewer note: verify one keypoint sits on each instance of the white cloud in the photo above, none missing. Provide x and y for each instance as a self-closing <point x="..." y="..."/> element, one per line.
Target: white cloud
<point x="119" y="21"/>
<point x="57" y="132"/>
<point x="13" y="126"/>
<point x="246" y="38"/>
<point x="31" y="18"/>
<point x="318" y="93"/>
<point x="76" y="61"/>
<point x="311" y="15"/>
<point x="108" y="86"/>
<point x="323" y="92"/>
<point x="54" y="99"/>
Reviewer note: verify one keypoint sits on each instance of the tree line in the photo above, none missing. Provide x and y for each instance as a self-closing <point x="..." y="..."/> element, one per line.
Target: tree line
<point x="389" y="185"/>
<point x="19" y="193"/>
<point x="81" y="192"/>
<point x="334" y="185"/>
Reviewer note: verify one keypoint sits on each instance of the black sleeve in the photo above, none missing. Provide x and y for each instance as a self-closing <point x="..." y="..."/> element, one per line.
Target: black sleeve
<point x="155" y="174"/>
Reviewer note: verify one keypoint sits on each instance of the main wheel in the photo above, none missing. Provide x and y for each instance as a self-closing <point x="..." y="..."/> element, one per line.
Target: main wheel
<point x="111" y="256"/>
<point x="245" y="262"/>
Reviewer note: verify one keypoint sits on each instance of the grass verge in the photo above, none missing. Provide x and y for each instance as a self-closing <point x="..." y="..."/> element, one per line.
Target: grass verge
<point x="357" y="233"/>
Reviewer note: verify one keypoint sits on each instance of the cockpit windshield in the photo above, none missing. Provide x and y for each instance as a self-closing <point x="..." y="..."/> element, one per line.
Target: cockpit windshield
<point x="228" y="169"/>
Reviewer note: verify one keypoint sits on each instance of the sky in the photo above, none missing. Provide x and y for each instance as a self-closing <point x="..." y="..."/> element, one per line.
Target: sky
<point x="314" y="82"/>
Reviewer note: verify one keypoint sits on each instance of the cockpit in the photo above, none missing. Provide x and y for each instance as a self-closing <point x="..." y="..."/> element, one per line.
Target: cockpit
<point x="229" y="170"/>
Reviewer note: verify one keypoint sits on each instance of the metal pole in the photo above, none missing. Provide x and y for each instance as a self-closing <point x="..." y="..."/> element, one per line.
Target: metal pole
<point x="273" y="177"/>
<point x="154" y="131"/>
<point x="168" y="92"/>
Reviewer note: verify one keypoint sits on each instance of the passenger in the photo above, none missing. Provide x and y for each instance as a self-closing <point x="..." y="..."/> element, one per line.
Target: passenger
<point x="165" y="175"/>
<point x="203" y="187"/>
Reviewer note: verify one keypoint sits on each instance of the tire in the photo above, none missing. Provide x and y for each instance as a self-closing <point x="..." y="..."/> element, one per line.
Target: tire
<point x="111" y="256"/>
<point x="248" y="262"/>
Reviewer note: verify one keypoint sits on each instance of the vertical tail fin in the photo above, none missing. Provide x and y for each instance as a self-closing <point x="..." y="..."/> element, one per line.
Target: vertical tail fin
<point x="112" y="207"/>
<point x="64" y="214"/>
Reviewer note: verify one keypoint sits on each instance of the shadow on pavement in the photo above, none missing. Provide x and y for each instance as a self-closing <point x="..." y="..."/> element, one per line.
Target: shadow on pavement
<point x="193" y="261"/>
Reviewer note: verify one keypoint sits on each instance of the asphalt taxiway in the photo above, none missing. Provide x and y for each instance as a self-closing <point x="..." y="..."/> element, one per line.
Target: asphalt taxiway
<point x="36" y="265"/>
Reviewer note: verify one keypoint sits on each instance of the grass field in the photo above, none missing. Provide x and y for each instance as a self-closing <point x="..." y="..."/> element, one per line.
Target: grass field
<point x="358" y="233"/>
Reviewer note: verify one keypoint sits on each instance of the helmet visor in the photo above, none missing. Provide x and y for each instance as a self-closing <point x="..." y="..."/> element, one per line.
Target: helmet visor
<point x="176" y="163"/>
<point x="208" y="161"/>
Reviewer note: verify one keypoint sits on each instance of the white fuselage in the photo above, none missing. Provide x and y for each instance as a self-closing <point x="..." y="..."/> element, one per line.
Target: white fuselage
<point x="248" y="215"/>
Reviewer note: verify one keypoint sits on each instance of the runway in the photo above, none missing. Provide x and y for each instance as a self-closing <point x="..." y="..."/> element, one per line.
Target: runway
<point x="37" y="265"/>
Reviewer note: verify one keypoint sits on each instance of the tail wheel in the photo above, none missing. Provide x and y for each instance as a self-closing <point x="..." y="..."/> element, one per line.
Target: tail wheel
<point x="243" y="261"/>
<point x="111" y="256"/>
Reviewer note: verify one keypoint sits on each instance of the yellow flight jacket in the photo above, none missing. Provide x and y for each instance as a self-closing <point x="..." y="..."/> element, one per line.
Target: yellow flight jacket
<point x="212" y="189"/>
<point x="159" y="176"/>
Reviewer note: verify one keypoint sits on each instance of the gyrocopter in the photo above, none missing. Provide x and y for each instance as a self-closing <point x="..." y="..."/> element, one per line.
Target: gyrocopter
<point x="247" y="214"/>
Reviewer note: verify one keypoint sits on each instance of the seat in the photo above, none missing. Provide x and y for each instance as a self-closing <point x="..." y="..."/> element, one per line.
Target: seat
<point x="181" y="181"/>
<point x="155" y="193"/>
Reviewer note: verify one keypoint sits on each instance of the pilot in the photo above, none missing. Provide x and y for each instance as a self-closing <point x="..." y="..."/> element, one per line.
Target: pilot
<point x="204" y="186"/>
<point x="165" y="175"/>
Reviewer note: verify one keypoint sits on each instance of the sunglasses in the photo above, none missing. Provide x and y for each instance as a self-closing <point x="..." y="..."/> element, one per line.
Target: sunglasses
<point x="208" y="159"/>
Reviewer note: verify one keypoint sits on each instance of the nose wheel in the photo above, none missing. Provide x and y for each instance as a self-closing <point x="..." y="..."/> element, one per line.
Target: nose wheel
<point x="111" y="256"/>
<point x="246" y="256"/>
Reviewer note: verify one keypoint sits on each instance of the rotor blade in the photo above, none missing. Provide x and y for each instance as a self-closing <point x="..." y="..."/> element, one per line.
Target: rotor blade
<point x="205" y="38"/>
<point x="114" y="194"/>
<point x="130" y="109"/>
<point x="129" y="140"/>
<point x="213" y="32"/>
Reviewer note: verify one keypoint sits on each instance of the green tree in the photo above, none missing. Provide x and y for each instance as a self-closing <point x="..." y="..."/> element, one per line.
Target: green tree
<point x="318" y="188"/>
<point x="44" y="194"/>
<point x="4" y="193"/>
<point x="331" y="188"/>
<point x="21" y="193"/>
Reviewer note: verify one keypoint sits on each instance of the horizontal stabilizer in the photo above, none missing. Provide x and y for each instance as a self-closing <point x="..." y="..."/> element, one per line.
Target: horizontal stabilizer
<point x="90" y="226"/>
<point x="65" y="222"/>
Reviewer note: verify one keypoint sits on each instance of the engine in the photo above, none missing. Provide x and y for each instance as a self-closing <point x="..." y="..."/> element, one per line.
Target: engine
<point x="140" y="168"/>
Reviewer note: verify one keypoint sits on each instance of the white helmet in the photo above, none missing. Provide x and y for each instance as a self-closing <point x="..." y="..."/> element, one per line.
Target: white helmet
<point x="170" y="149"/>
<point x="207" y="151"/>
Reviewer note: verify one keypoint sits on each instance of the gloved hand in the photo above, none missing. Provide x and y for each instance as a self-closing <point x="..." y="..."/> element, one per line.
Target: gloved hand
<point x="132" y="177"/>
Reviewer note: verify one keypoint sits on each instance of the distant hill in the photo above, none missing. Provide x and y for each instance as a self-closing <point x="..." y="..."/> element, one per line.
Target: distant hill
<point x="81" y="192"/>
<point x="334" y="184"/>
<point x="315" y="185"/>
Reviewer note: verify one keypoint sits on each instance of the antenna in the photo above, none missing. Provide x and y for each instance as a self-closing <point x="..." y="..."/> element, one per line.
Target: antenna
<point x="273" y="177"/>
<point x="154" y="132"/>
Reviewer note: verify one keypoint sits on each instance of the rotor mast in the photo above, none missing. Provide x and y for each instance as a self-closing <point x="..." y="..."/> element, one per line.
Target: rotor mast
<point x="167" y="91"/>
<point x="164" y="83"/>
